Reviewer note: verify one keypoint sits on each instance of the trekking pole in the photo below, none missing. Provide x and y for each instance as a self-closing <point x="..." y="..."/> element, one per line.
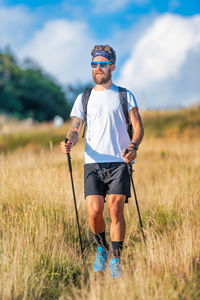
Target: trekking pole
<point x="73" y="191"/>
<point x="136" y="201"/>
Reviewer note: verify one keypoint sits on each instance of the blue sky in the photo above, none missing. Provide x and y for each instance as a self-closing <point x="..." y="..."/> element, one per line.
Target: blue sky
<point x="157" y="43"/>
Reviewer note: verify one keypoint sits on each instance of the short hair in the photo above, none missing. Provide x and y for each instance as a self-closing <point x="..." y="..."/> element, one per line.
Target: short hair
<point x="106" y="48"/>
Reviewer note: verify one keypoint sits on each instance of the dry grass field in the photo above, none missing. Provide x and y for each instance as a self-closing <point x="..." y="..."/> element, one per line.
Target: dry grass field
<point x="39" y="249"/>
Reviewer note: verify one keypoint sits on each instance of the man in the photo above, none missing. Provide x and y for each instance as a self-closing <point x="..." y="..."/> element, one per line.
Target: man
<point x="106" y="157"/>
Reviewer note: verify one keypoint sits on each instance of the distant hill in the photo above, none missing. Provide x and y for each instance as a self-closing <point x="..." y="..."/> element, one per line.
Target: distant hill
<point x="159" y="122"/>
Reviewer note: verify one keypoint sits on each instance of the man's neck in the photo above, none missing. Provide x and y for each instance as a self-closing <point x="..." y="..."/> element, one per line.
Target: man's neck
<point x="105" y="86"/>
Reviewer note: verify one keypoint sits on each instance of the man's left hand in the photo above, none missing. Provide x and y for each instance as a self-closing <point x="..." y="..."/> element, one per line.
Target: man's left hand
<point x="130" y="155"/>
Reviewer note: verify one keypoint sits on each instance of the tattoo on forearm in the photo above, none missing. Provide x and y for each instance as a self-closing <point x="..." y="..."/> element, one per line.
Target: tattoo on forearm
<point x="73" y="136"/>
<point x="75" y="130"/>
<point x="76" y="123"/>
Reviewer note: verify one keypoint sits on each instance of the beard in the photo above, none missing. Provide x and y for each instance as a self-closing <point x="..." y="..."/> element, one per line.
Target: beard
<point x="103" y="79"/>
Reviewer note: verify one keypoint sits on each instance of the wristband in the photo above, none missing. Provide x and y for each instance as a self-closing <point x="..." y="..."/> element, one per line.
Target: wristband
<point x="134" y="146"/>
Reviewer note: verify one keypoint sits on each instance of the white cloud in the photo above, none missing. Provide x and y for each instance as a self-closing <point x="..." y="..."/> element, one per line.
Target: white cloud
<point x="158" y="65"/>
<point x="63" y="48"/>
<point x="16" y="24"/>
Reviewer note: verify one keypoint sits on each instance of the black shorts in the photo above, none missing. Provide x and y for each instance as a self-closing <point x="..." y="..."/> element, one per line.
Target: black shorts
<point x="107" y="178"/>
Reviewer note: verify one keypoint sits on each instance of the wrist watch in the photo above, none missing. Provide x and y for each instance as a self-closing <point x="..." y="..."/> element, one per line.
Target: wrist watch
<point x="134" y="146"/>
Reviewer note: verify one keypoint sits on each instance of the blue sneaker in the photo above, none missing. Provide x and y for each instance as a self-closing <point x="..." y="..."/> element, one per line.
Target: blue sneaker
<point x="115" y="268"/>
<point x="100" y="261"/>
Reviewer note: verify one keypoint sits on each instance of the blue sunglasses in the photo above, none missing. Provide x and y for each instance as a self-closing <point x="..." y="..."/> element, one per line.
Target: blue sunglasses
<point x="102" y="64"/>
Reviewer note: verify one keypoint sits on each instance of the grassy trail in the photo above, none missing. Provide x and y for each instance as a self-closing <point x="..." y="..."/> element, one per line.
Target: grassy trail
<point x="39" y="249"/>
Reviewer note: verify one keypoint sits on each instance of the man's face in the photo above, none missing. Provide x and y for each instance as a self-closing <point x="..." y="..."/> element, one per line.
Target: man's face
<point x="102" y="75"/>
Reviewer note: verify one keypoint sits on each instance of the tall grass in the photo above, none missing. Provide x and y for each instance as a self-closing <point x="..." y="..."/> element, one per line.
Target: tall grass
<point x="39" y="251"/>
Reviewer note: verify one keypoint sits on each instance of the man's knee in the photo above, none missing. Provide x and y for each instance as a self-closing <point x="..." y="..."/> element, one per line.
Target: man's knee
<point x="95" y="213"/>
<point x="115" y="215"/>
<point x="95" y="205"/>
<point x="116" y="208"/>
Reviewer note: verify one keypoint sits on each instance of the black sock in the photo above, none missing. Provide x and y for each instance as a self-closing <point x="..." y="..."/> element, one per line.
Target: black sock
<point x="117" y="249"/>
<point x="101" y="240"/>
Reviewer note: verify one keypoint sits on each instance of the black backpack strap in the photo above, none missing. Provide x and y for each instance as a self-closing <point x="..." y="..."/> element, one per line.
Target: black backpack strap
<point x="85" y="98"/>
<point x="124" y="104"/>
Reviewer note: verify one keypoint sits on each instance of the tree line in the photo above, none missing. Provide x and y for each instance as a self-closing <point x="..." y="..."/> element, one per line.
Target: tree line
<point x="26" y="91"/>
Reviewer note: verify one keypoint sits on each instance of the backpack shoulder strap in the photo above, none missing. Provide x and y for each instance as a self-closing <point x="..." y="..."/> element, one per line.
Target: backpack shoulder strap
<point x="124" y="104"/>
<point x="85" y="98"/>
<point x="123" y="101"/>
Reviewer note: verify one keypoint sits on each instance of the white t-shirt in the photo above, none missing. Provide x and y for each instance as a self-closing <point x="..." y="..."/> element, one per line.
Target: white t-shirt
<point x="107" y="134"/>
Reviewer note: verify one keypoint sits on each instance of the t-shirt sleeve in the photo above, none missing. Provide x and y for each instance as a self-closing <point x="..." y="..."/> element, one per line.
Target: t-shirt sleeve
<point x="131" y="100"/>
<point x="77" y="109"/>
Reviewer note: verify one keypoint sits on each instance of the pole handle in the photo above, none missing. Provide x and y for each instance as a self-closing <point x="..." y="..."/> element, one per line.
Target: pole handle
<point x="128" y="164"/>
<point x="68" y="157"/>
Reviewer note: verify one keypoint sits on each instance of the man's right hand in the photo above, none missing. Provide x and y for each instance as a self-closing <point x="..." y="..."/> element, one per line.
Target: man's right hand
<point x="65" y="147"/>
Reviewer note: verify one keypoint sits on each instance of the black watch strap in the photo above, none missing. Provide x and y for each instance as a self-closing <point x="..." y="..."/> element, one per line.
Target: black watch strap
<point x="134" y="146"/>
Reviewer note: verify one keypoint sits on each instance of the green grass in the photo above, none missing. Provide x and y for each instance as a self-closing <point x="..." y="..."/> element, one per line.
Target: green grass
<point x="161" y="220"/>
<point x="13" y="141"/>
<point x="59" y="276"/>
